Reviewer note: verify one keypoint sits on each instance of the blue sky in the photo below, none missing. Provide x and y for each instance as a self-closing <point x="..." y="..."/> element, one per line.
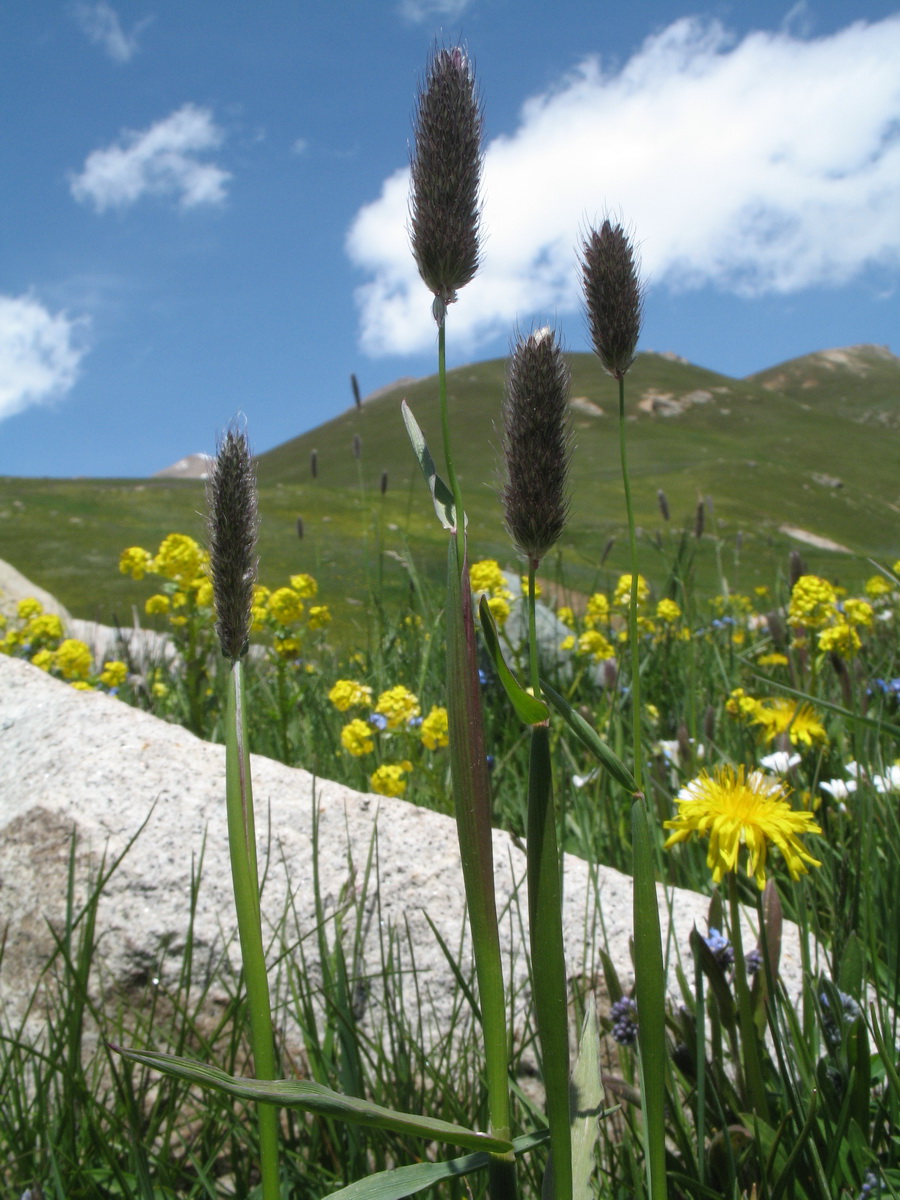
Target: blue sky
<point x="203" y="205"/>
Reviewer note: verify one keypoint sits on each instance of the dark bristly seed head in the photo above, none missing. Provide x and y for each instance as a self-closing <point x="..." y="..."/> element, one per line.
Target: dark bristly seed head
<point x="663" y="503"/>
<point x="537" y="444"/>
<point x="613" y="296"/>
<point x="232" y="523"/>
<point x="445" y="202"/>
<point x="699" y="519"/>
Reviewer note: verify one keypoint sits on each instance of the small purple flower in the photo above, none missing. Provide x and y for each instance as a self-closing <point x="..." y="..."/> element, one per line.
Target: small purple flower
<point x="379" y="720"/>
<point x="754" y="961"/>
<point x="625" y="1023"/>
<point x="721" y="947"/>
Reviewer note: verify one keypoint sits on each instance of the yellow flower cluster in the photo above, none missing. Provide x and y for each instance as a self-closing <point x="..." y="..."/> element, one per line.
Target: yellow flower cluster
<point x="593" y="642"/>
<point x="398" y="705"/>
<point x="877" y="587"/>
<point x="356" y="738"/>
<point x="435" y="731"/>
<point x="668" y="612"/>
<point x="815" y="605"/>
<point x="347" y="693"/>
<point x="486" y="578"/>
<point x="813" y="602"/>
<point x="597" y="611"/>
<point x="622" y="594"/>
<point x="389" y="779"/>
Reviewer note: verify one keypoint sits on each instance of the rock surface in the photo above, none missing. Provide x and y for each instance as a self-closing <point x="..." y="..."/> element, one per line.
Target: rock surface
<point x="86" y="764"/>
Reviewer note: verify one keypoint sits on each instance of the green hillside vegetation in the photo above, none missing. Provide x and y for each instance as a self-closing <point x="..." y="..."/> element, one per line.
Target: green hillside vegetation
<point x="811" y="444"/>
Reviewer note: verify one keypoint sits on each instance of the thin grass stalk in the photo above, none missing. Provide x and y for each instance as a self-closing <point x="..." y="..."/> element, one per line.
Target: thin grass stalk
<point x="548" y="962"/>
<point x="751" y="1058"/>
<point x="650" y="988"/>
<point x="245" y="879"/>
<point x="632" y="607"/>
<point x="471" y="797"/>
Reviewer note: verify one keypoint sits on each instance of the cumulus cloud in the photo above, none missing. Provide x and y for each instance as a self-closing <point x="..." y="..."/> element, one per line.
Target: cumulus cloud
<point x="426" y="10"/>
<point x="765" y="165"/>
<point x="101" y="23"/>
<point x="40" y="353"/>
<point x="159" y="161"/>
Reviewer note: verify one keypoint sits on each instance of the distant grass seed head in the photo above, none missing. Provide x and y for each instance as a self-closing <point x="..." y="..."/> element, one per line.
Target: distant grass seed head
<point x="613" y="296"/>
<point x="232" y="524"/>
<point x="537" y="444"/>
<point x="445" y="200"/>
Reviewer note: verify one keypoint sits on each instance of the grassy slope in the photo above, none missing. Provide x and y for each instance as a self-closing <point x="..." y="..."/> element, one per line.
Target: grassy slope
<point x="753" y="447"/>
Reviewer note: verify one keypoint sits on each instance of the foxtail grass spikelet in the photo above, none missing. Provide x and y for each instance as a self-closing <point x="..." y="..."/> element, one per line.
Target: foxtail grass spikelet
<point x="445" y="205"/>
<point x="613" y="296"/>
<point x="232" y="524"/>
<point x="537" y="444"/>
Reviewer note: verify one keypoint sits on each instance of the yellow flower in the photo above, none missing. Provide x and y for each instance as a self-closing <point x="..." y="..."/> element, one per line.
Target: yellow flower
<point x="813" y="602"/>
<point x="203" y="592"/>
<point x="73" y="659"/>
<point x="877" y="587"/>
<point x="43" y="659"/>
<point x="566" y="615"/>
<point x="398" y="705"/>
<point x="761" y="591"/>
<point x="435" y="729"/>
<point x="736" y="811"/>
<point x="568" y="643"/>
<point x="739" y="704"/>
<point x="356" y="738"/>
<point x="841" y="638"/>
<point x="157" y="605"/>
<point x="597" y="611"/>
<point x="159" y="690"/>
<point x="113" y="674"/>
<point x="859" y="612"/>
<point x="305" y="586"/>
<point x="135" y="562"/>
<point x="622" y="594"/>
<point x="46" y="627"/>
<point x="797" y="719"/>
<point x="347" y="693"/>
<point x="179" y="558"/>
<point x="486" y="576"/>
<point x="668" y="612"/>
<point x="772" y="660"/>
<point x="82" y="685"/>
<point x="388" y="779"/>
<point x="499" y="606"/>
<point x="285" y="606"/>
<point x="29" y="607"/>
<point x="287" y="647"/>
<point x="594" y="643"/>
<point x="537" y="587"/>
<point x="319" y="616"/>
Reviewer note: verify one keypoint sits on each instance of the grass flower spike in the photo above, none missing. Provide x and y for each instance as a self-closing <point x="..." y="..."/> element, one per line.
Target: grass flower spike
<point x="736" y="811"/>
<point x="445" y="205"/>
<point x="613" y="296"/>
<point x="231" y="494"/>
<point x="537" y="444"/>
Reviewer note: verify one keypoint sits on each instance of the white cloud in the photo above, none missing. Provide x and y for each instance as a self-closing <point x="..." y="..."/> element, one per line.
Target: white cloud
<point x="40" y="353"/>
<point x="761" y="166"/>
<point x="101" y="23"/>
<point x="425" y="10"/>
<point x="159" y="161"/>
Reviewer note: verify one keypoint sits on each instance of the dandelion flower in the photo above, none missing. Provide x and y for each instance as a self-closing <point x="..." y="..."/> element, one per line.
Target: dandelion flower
<point x="736" y="811"/>
<point x="798" y="720"/>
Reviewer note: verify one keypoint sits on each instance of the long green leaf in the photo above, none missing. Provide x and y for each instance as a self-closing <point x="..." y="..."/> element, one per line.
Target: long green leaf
<point x="316" y="1098"/>
<point x="441" y="496"/>
<point x="590" y="738"/>
<point x="527" y="707"/>
<point x="870" y="722"/>
<point x="650" y="988"/>
<point x="406" y="1181"/>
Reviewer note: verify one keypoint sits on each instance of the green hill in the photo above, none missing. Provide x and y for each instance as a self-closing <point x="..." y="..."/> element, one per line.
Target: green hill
<point x="809" y="446"/>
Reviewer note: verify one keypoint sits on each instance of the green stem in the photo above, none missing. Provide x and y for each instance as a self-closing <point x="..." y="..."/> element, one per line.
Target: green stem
<point x="245" y="879"/>
<point x="532" y="631"/>
<point x="452" y="481"/>
<point x="753" y="1075"/>
<point x="632" y="608"/>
